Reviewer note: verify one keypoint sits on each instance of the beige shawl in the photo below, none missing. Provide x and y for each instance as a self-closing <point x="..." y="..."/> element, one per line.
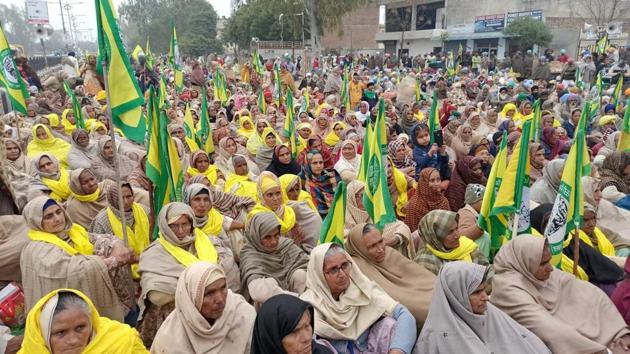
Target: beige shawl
<point x="104" y="168"/>
<point x="46" y="267"/>
<point x="185" y="330"/>
<point x="13" y="238"/>
<point x="404" y="280"/>
<point x="569" y="315"/>
<point x="23" y="163"/>
<point x="359" y="307"/>
<point x="612" y="220"/>
<point x="83" y="213"/>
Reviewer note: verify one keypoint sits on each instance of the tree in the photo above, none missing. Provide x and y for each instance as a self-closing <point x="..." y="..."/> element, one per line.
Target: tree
<point x="528" y="32"/>
<point x="602" y="12"/>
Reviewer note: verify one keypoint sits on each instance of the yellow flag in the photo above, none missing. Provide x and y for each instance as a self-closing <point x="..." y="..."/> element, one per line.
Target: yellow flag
<point x="10" y="77"/>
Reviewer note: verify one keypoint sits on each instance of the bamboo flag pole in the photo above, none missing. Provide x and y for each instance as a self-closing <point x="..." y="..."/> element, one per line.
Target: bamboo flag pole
<point x="116" y="160"/>
<point x="515" y="225"/>
<point x="576" y="249"/>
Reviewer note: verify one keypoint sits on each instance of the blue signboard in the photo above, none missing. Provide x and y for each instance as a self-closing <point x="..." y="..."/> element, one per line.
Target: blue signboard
<point x="489" y="23"/>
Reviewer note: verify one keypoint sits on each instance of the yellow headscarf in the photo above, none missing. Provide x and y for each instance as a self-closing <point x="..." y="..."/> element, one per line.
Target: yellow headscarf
<point x="256" y="140"/>
<point x="241" y="186"/>
<point x="212" y="172"/>
<point x="266" y="181"/>
<point x="108" y="336"/>
<point x="204" y="247"/>
<point x="604" y="246"/>
<point x="508" y="107"/>
<point x="68" y="126"/>
<point x="461" y="253"/>
<point x="60" y="188"/>
<point x="138" y="237"/>
<point x="287" y="181"/>
<point x="332" y="138"/>
<point x="101" y="95"/>
<point x="303" y="142"/>
<point x="400" y="182"/>
<point x="50" y="145"/>
<point x="242" y="131"/>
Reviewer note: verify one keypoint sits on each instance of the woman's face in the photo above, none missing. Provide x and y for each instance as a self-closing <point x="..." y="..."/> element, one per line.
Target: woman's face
<point x="338" y="129"/>
<point x="182" y="227"/>
<point x="240" y="166"/>
<point x="547" y="121"/>
<point x="200" y="205"/>
<point x="247" y="125"/>
<point x="70" y="331"/>
<point x="475" y="120"/>
<point x="409" y="114"/>
<point x="353" y="120"/>
<point x="451" y="240"/>
<point x="467" y="134"/>
<point x="435" y="182"/>
<point x="83" y="140"/>
<point x="527" y="109"/>
<point x="317" y="164"/>
<point x="202" y="162"/>
<point x="554" y="138"/>
<point x="358" y="197"/>
<point x="273" y="198"/>
<point x="575" y="116"/>
<point x="544" y="269"/>
<point x="301" y="338"/>
<point x="13" y="151"/>
<point x="179" y="134"/>
<point x="108" y="152"/>
<point x="101" y="131"/>
<point x="230" y="147"/>
<point x="270" y="140"/>
<point x="260" y="126"/>
<point x="316" y="144"/>
<point x="476" y="168"/>
<point x="284" y="155"/>
<point x="590" y="221"/>
<point x="337" y="271"/>
<point x="88" y="182"/>
<point x="479" y="300"/>
<point x="348" y="152"/>
<point x="54" y="219"/>
<point x="597" y="196"/>
<point x="540" y="156"/>
<point x="400" y="152"/>
<point x="127" y="196"/>
<point x="46" y="165"/>
<point x="294" y="193"/>
<point x="270" y="241"/>
<point x="304" y="133"/>
<point x="214" y="299"/>
<point x="510" y="113"/>
<point x="322" y="122"/>
<point x="41" y="133"/>
<point x="70" y="116"/>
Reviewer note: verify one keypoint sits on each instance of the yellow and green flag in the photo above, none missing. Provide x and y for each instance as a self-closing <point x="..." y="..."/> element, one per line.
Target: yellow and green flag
<point x="513" y="195"/>
<point x="494" y="225"/>
<point x="256" y="63"/>
<point x="434" y="117"/>
<point x="79" y="122"/>
<point x="136" y="52"/>
<point x="10" y="77"/>
<point x="125" y="98"/>
<point x="175" y="60"/>
<point x="262" y="104"/>
<point x="602" y="44"/>
<point x="189" y="129"/>
<point x="345" y="91"/>
<point x="616" y="97"/>
<point x="568" y="208"/>
<point x="277" y="91"/>
<point x="333" y="225"/>
<point x="536" y="122"/>
<point x="624" y="139"/>
<point x="204" y="131"/>
<point x="289" y="126"/>
<point x="219" y="87"/>
<point x="373" y="172"/>
<point x="148" y="56"/>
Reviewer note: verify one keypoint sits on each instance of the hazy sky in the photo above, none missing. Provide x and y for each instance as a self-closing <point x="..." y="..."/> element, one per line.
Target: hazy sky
<point x="83" y="10"/>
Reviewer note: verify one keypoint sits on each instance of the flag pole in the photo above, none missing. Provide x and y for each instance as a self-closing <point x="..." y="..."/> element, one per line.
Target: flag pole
<point x="515" y="225"/>
<point x="576" y="249"/>
<point x="116" y="160"/>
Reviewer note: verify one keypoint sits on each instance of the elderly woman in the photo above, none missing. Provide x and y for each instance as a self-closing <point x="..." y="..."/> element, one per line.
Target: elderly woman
<point x="53" y="176"/>
<point x="462" y="140"/>
<point x="334" y="137"/>
<point x="400" y="156"/>
<point x="349" y="162"/>
<point x="614" y="176"/>
<point x="64" y="255"/>
<point x="16" y="160"/>
<point x="83" y="152"/>
<point x="396" y="234"/>
<point x="264" y="153"/>
<point x="319" y="181"/>
<point x="104" y="166"/>
<point x="179" y="246"/>
<point x="285" y="325"/>
<point x="443" y="243"/>
<point x="282" y="162"/>
<point x="292" y="186"/>
<point x="353" y="313"/>
<point x="315" y="143"/>
<point x="569" y="315"/>
<point x="537" y="162"/>
<point x="226" y="149"/>
<point x="208" y="317"/>
<point x="87" y="198"/>
<point x="240" y="181"/>
<point x="200" y="165"/>
<point x="45" y="142"/>
<point x="109" y="221"/>
<point x="546" y="188"/>
<point x="429" y="196"/>
<point x="460" y="309"/>
<point x="255" y="139"/>
<point x="270" y="264"/>
<point x="177" y="130"/>
<point x="467" y="170"/>
<point x="405" y="281"/>
<point x="66" y="320"/>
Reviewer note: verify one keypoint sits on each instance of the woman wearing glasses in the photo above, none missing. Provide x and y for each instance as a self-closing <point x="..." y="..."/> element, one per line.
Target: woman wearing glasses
<point x="353" y="313"/>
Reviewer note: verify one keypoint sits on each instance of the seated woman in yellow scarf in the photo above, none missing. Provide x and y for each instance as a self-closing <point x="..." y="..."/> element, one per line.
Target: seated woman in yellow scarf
<point x="255" y="139"/>
<point x="66" y="320"/>
<point x="304" y="130"/>
<point x="240" y="181"/>
<point x="108" y="221"/>
<point x="292" y="190"/>
<point x="97" y="130"/>
<point x="200" y="164"/>
<point x="68" y="121"/>
<point x="246" y="127"/>
<point x="508" y="111"/>
<point x="523" y="114"/>
<point x="45" y="142"/>
<point x="399" y="185"/>
<point x="57" y="125"/>
<point x="62" y="254"/>
<point x="178" y="246"/>
<point x="56" y="178"/>
<point x="271" y="198"/>
<point x="264" y="153"/>
<point x="334" y="137"/>
<point x="226" y="233"/>
<point x="87" y="197"/>
<point x="443" y="244"/>
<point x="593" y="236"/>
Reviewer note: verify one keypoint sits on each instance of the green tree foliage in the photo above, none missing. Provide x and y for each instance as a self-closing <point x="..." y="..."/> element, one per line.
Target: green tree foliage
<point x="195" y="21"/>
<point x="528" y="32"/>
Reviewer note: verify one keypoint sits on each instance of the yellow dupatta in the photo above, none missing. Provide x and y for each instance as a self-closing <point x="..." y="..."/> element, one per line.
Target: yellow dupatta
<point x="566" y="263"/>
<point x="50" y="145"/>
<point x="108" y="336"/>
<point x="78" y="235"/>
<point x="286" y="223"/>
<point x="400" y="182"/>
<point x="67" y="125"/>
<point x="461" y="253"/>
<point x="88" y="198"/>
<point x="419" y="116"/>
<point x="138" y="237"/>
<point x="241" y="186"/>
<point x="245" y="132"/>
<point x="332" y="139"/>
<point x="61" y="188"/>
<point x="306" y="196"/>
<point x="215" y="223"/>
<point x="211" y="172"/>
<point x="204" y="247"/>
<point x="604" y="246"/>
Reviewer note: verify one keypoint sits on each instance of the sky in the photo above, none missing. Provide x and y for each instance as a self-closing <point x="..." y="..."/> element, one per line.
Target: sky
<point x="83" y="10"/>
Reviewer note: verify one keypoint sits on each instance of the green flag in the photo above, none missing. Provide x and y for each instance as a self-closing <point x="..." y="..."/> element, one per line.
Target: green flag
<point x="333" y="226"/>
<point x="624" y="138"/>
<point x="79" y="122"/>
<point x="289" y="126"/>
<point x="10" y="77"/>
<point x="175" y="60"/>
<point x="204" y="133"/>
<point x="434" y="118"/>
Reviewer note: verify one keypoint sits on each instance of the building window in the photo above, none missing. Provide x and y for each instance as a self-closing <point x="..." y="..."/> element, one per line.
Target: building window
<point x="426" y="15"/>
<point x="486" y="45"/>
<point x="398" y="19"/>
